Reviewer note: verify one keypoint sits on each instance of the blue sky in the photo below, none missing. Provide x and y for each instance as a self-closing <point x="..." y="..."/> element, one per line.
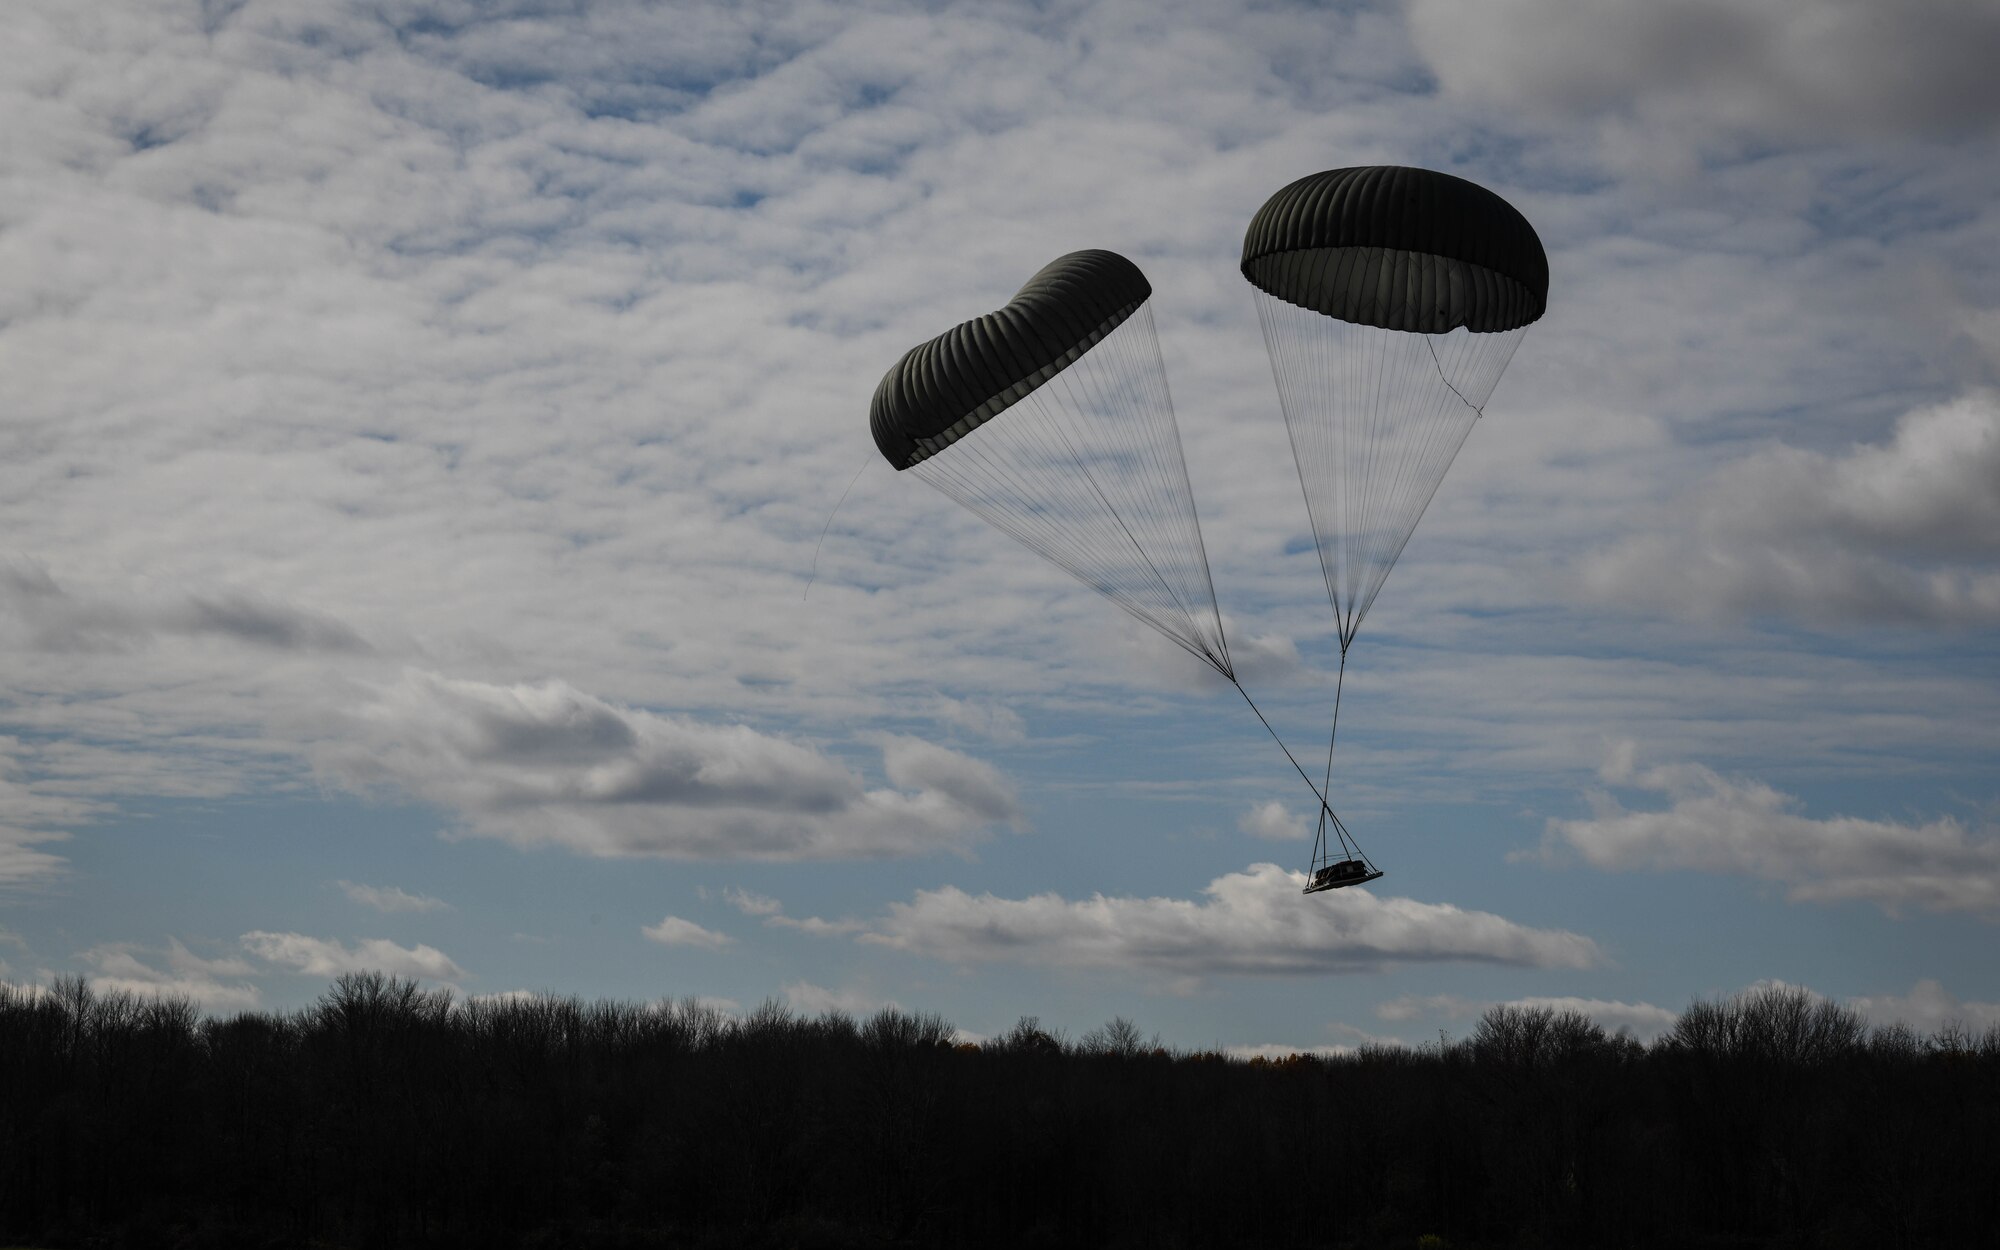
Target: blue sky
<point x="419" y="419"/>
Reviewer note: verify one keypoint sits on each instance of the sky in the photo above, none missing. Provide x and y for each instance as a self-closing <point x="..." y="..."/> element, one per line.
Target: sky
<point x="419" y="421"/>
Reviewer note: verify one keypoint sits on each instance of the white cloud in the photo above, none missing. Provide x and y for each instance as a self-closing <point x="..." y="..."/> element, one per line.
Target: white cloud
<point x="217" y="984"/>
<point x="1643" y="1021"/>
<point x="772" y="913"/>
<point x="752" y="904"/>
<point x="1745" y="827"/>
<point x="1273" y="822"/>
<point x="994" y="721"/>
<point x="326" y="958"/>
<point x="674" y="931"/>
<point x="1928" y="1008"/>
<point x="1254" y="922"/>
<point x="504" y="996"/>
<point x="814" y="1000"/>
<point x="545" y="763"/>
<point x="1826" y="69"/>
<point x="390" y="899"/>
<point x="1354" y="1039"/>
<point x="1906" y="531"/>
<point x="1274" y="1051"/>
<point x="818" y="927"/>
<point x="35" y="810"/>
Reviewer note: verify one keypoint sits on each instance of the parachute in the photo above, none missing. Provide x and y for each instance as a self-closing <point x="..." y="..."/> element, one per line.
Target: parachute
<point x="1391" y="300"/>
<point x="1051" y="419"/>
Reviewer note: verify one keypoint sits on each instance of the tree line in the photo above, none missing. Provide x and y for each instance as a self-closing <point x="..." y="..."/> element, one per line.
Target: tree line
<point x="386" y="1115"/>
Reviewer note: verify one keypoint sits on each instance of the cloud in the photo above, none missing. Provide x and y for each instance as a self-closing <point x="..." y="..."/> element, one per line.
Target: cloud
<point x="1833" y="68"/>
<point x="817" y="927"/>
<point x="752" y="904"/>
<point x="1274" y="1051"/>
<point x="1748" y="828"/>
<point x="217" y="984"/>
<point x="323" y="957"/>
<point x="1643" y="1021"/>
<point x="814" y="1000"/>
<point x="1273" y="822"/>
<point x="547" y="764"/>
<point x="1355" y="1040"/>
<point x="502" y="997"/>
<point x="993" y="721"/>
<point x="59" y="621"/>
<point x="391" y="899"/>
<point x="772" y="912"/>
<point x="1928" y="1008"/>
<point x="29" y="817"/>
<point x="674" y="931"/>
<point x="1903" y="532"/>
<point x="1250" y="923"/>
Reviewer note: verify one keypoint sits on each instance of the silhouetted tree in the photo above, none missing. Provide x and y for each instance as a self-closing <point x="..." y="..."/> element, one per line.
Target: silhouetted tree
<point x="387" y="1115"/>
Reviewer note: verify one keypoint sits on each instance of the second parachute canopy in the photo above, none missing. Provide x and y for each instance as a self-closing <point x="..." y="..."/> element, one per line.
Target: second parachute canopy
<point x="1391" y="300"/>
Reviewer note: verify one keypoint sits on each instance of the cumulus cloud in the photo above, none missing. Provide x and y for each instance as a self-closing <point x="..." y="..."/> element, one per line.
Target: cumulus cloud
<point x="1274" y="1051"/>
<point x="674" y="931"/>
<point x="175" y="972"/>
<point x="1904" y="532"/>
<point x="502" y="997"/>
<point x="817" y="926"/>
<point x="1253" y="922"/>
<point x="1716" y="824"/>
<point x="750" y="903"/>
<point x="1827" y="69"/>
<point x="1643" y="1021"/>
<point x="772" y="913"/>
<point x="390" y="899"/>
<point x="547" y="764"/>
<point x="1272" y="821"/>
<point x="1928" y="1008"/>
<point x="816" y="1000"/>
<point x="323" y="957"/>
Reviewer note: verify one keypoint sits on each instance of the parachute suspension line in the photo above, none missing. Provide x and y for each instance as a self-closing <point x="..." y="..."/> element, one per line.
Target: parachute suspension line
<point x="1319" y="794"/>
<point x="1338" y="682"/>
<point x="1375" y="419"/>
<point x="1088" y="471"/>
<point x="1477" y="411"/>
<point x="813" y="574"/>
<point x="1350" y="848"/>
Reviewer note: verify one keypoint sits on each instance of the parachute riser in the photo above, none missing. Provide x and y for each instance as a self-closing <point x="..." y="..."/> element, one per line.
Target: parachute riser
<point x="1350" y="848"/>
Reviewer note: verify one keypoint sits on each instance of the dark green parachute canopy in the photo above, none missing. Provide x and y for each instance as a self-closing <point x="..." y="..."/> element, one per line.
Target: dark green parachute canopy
<point x="942" y="390"/>
<point x="1399" y="248"/>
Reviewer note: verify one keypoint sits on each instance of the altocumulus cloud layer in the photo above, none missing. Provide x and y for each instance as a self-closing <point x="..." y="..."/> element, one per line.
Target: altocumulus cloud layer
<point x="443" y="333"/>
<point x="548" y="764"/>
<point x="1826" y="69"/>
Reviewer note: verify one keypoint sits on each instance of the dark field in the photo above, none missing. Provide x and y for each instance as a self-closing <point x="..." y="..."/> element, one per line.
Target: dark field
<point x="386" y="1115"/>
